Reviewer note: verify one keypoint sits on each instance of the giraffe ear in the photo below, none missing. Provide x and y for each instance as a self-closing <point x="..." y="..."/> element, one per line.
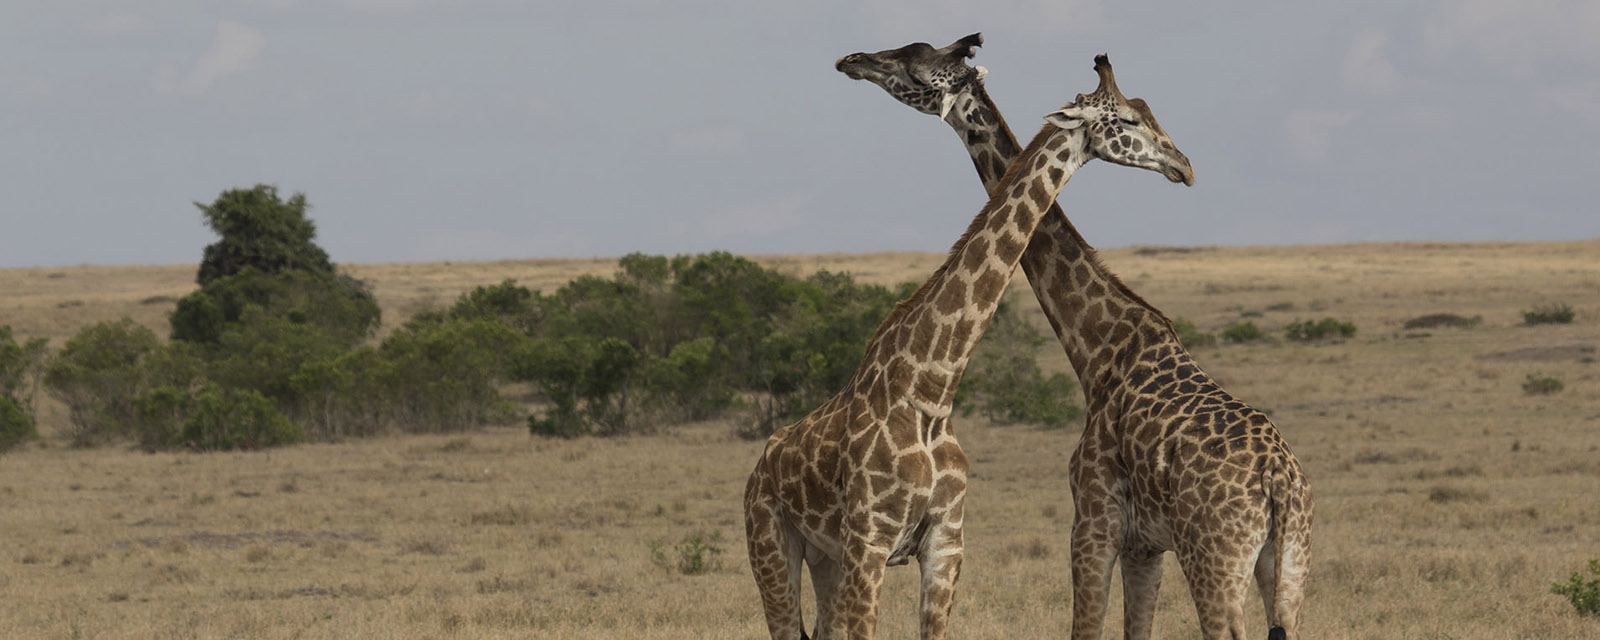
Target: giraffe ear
<point x="982" y="72"/>
<point x="1070" y="117"/>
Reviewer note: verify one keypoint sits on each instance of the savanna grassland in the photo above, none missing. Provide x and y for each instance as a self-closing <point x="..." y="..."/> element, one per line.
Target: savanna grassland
<point x="1448" y="499"/>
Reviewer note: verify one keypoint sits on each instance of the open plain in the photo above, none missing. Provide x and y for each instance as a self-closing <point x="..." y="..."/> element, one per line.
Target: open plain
<point x="1448" y="499"/>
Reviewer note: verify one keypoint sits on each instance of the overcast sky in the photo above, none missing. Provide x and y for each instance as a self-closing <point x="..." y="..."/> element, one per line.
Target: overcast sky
<point x="424" y="130"/>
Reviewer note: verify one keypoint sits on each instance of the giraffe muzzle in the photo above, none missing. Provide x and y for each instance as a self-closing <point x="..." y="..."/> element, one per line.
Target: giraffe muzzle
<point x="846" y="66"/>
<point x="1183" y="173"/>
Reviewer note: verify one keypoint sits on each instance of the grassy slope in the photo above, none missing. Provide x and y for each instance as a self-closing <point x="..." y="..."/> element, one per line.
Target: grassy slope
<point x="1447" y="499"/>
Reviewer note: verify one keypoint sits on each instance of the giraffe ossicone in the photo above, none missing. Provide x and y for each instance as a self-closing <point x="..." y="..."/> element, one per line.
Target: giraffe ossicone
<point x="1159" y="434"/>
<point x="874" y="477"/>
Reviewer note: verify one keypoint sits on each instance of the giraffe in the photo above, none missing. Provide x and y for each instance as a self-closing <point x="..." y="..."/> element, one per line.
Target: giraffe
<point x="874" y="476"/>
<point x="1168" y="460"/>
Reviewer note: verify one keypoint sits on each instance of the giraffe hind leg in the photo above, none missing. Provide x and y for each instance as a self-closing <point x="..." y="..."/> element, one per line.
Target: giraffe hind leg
<point x="775" y="556"/>
<point x="1219" y="583"/>
<point x="825" y="582"/>
<point x="1267" y="581"/>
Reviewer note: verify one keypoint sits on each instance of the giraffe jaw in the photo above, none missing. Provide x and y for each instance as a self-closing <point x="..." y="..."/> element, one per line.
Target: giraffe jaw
<point x="1178" y="174"/>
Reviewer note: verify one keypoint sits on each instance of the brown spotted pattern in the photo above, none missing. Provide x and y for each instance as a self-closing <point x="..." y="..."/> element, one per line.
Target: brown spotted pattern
<point x="875" y="477"/>
<point x="1169" y="461"/>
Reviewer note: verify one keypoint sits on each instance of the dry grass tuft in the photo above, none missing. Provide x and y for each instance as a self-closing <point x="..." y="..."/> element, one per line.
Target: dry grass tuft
<point x="81" y="559"/>
<point x="1379" y="456"/>
<point x="428" y="545"/>
<point x="500" y="584"/>
<point x="1031" y="551"/>
<point x="1458" y="471"/>
<point x="174" y="574"/>
<point x="507" y="515"/>
<point x="1447" y="493"/>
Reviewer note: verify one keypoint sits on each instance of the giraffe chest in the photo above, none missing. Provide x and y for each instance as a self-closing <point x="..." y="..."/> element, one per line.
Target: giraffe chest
<point x="879" y="485"/>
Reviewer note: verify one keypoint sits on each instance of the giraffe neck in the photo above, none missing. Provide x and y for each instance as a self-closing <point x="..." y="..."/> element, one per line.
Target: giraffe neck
<point x="1072" y="287"/>
<point x="936" y="328"/>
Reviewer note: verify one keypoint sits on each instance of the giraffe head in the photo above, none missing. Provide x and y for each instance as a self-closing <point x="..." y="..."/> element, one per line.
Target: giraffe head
<point x="922" y="77"/>
<point x="1122" y="130"/>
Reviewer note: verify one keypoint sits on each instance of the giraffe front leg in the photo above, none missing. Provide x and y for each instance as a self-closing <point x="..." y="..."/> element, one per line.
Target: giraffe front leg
<point x="1141" y="581"/>
<point x="865" y="556"/>
<point x="940" y="560"/>
<point x="775" y="562"/>
<point x="1094" y="553"/>
<point x="855" y="602"/>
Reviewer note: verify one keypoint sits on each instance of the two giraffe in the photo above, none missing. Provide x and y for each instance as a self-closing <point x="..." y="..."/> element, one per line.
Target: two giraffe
<point x="875" y="477"/>
<point x="1168" y="460"/>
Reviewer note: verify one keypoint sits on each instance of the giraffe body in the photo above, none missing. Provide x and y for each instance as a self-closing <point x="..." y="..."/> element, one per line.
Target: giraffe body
<point x="1168" y="460"/>
<point x="875" y="477"/>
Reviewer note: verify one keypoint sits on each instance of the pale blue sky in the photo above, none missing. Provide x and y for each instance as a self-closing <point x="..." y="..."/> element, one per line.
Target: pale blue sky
<point x="426" y="130"/>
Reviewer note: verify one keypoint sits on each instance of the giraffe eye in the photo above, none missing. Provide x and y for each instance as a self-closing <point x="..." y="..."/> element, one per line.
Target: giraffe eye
<point x="1129" y="121"/>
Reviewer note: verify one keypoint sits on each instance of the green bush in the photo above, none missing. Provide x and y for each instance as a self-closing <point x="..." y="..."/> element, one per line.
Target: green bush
<point x="585" y="379"/>
<point x="1191" y="337"/>
<point x="431" y="375"/>
<point x="813" y="346"/>
<point x="16" y="426"/>
<point x="21" y="368"/>
<point x="1241" y="332"/>
<point x="1539" y="384"/>
<point x="161" y="414"/>
<point x="507" y="303"/>
<point x="224" y="419"/>
<point x="695" y="555"/>
<point x="1583" y="594"/>
<point x="667" y="340"/>
<point x="263" y="353"/>
<point x="685" y="338"/>
<point x="1433" y="320"/>
<point x="1553" y="313"/>
<point x="680" y="384"/>
<point x="1308" y="331"/>
<point x="437" y="377"/>
<point x="97" y="375"/>
<point x="338" y="309"/>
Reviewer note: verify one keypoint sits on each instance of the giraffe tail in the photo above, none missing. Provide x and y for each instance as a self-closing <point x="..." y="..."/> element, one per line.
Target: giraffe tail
<point x="1290" y="500"/>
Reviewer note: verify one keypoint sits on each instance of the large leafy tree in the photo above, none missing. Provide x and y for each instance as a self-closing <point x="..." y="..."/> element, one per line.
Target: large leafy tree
<point x="260" y="230"/>
<point x="266" y="270"/>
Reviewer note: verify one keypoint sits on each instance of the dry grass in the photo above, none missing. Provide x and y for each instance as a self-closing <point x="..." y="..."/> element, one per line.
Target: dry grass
<point x="1448" y="500"/>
